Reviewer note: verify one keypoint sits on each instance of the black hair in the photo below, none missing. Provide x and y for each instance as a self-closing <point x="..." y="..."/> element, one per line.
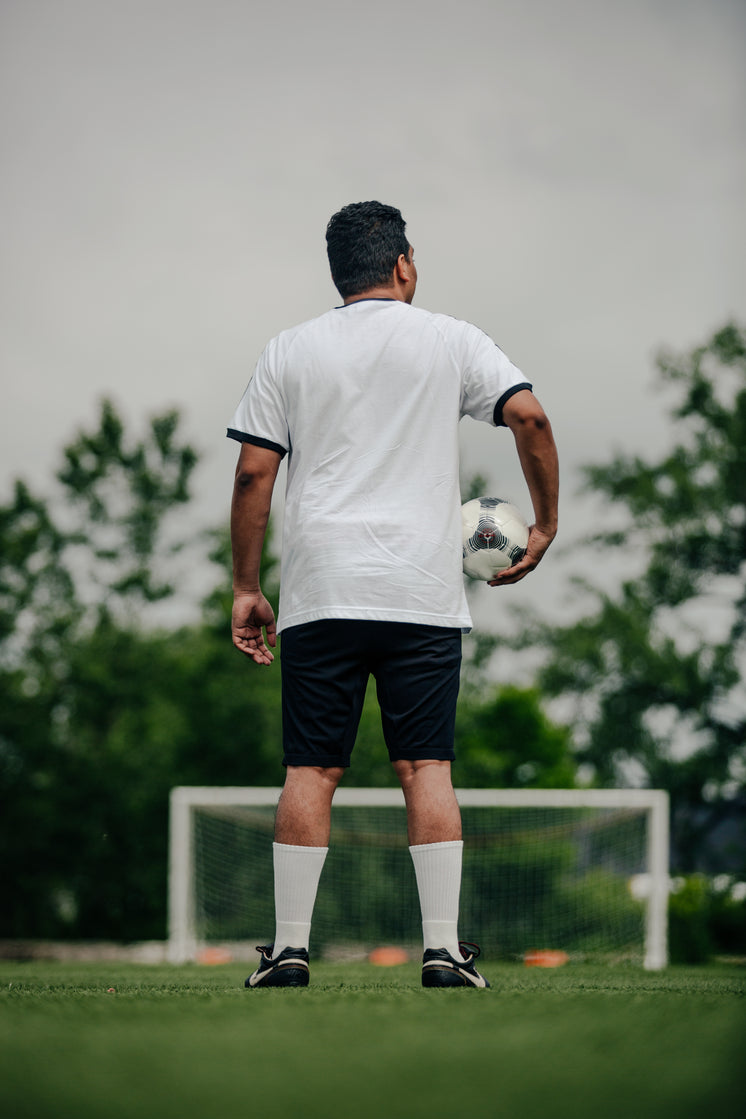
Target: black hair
<point x="363" y="242"/>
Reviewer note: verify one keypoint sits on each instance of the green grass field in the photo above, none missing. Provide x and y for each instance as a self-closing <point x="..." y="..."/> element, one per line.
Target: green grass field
<point x="370" y="1043"/>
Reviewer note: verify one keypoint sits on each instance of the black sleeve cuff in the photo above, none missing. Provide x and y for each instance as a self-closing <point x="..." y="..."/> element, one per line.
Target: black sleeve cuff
<point x="497" y="415"/>
<point x="256" y="441"/>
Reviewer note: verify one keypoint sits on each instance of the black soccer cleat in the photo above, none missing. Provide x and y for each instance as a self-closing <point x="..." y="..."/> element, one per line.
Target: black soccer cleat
<point x="439" y="969"/>
<point x="290" y="969"/>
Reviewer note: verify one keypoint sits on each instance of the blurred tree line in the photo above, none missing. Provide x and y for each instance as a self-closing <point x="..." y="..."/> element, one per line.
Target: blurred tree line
<point x="656" y="670"/>
<point x="102" y="711"/>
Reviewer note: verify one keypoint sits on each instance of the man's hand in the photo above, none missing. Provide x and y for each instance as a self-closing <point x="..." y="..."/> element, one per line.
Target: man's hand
<point x="538" y="542"/>
<point x="251" y="612"/>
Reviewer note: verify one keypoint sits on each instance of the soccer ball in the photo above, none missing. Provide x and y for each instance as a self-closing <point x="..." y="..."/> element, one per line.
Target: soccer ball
<point x="494" y="537"/>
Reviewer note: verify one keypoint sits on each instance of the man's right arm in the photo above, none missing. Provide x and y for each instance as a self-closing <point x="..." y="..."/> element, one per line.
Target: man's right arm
<point x="537" y="453"/>
<point x="252" y="495"/>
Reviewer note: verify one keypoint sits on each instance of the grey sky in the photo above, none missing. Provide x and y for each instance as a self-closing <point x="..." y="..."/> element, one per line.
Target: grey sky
<point x="573" y="176"/>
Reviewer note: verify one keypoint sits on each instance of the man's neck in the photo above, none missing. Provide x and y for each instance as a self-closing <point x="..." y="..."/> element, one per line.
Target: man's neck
<point x="389" y="292"/>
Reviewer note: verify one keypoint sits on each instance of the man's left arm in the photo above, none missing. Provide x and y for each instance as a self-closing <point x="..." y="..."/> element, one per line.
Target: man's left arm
<point x="537" y="453"/>
<point x="252" y="496"/>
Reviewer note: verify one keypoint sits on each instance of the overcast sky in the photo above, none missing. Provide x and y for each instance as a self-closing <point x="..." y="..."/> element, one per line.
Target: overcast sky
<point x="572" y="175"/>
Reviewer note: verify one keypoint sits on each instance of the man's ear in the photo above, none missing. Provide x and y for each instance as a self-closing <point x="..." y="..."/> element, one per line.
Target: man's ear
<point x="403" y="268"/>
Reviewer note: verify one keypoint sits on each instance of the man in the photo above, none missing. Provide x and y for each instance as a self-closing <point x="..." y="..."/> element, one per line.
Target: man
<point x="366" y="400"/>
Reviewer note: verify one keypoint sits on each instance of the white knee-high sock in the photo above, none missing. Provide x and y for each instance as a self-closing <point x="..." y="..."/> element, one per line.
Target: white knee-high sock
<point x="438" y="870"/>
<point x="297" y="874"/>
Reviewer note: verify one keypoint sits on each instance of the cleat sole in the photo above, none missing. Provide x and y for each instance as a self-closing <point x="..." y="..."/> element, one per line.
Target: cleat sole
<point x="282" y="977"/>
<point x="442" y="977"/>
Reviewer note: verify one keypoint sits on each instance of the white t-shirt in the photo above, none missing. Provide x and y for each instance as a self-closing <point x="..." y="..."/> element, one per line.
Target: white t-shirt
<point x="366" y="399"/>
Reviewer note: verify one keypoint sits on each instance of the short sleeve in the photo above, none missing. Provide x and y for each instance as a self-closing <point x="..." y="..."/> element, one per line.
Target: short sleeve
<point x="488" y="377"/>
<point x="261" y="416"/>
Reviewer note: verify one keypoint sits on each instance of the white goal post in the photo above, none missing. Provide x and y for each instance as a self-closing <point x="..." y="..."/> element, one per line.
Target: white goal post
<point x="190" y="804"/>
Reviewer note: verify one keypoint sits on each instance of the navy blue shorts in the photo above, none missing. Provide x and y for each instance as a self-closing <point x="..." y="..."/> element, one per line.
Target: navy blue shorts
<point x="325" y="671"/>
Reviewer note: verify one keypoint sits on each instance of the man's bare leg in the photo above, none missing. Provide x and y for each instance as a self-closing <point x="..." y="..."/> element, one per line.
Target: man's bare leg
<point x="301" y="842"/>
<point x="304" y="810"/>
<point x="434" y="827"/>
<point x="433" y="814"/>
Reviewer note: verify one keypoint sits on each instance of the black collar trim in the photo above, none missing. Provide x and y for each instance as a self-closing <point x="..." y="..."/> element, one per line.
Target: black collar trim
<point x="368" y="299"/>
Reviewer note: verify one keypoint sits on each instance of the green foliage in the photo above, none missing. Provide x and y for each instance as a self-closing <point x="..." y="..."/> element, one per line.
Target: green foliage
<point x="88" y="772"/>
<point x="657" y="669"/>
<point x="706" y="916"/>
<point x="688" y="507"/>
<point x="37" y="600"/>
<point x="689" y="938"/>
<point x="474" y="486"/>
<point x="102" y="711"/>
<point x="119" y="495"/>
<point x="505" y="740"/>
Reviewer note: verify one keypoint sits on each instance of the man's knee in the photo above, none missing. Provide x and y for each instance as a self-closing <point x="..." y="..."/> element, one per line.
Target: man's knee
<point x="409" y="770"/>
<point x="314" y="776"/>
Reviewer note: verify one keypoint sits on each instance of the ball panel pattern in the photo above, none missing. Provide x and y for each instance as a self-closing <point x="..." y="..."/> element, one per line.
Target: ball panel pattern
<point x="495" y="536"/>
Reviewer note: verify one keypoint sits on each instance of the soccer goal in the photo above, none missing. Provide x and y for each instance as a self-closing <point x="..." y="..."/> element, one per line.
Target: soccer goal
<point x="583" y="873"/>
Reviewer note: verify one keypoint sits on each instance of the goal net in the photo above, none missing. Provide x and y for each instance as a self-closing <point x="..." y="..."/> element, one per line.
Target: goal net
<point x="581" y="872"/>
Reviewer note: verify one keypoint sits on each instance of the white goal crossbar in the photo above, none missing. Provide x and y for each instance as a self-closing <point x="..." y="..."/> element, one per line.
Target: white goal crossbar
<point x="186" y="800"/>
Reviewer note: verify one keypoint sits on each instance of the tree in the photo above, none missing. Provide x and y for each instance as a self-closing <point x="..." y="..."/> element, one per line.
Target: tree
<point x="104" y="707"/>
<point x="506" y="740"/>
<point x="120" y="496"/>
<point x="98" y="545"/>
<point x="76" y="714"/>
<point x="657" y="672"/>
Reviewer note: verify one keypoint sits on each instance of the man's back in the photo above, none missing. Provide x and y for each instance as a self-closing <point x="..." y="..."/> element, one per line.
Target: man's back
<point x="367" y="399"/>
